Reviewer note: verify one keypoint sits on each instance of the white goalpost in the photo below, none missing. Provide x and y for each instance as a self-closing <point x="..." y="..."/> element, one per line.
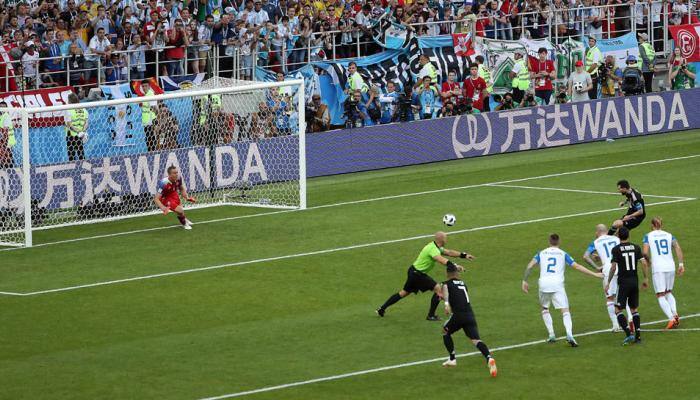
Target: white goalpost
<point x="235" y="143"/>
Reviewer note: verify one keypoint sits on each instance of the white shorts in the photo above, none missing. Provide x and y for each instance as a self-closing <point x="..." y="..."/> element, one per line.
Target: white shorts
<point x="612" y="290"/>
<point x="663" y="281"/>
<point x="558" y="298"/>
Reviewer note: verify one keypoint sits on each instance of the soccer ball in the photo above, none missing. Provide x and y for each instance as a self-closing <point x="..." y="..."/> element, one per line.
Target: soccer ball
<point x="449" y="219"/>
<point x="578" y="86"/>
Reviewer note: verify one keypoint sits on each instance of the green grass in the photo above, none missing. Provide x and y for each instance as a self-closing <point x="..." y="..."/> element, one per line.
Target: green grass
<point x="239" y="328"/>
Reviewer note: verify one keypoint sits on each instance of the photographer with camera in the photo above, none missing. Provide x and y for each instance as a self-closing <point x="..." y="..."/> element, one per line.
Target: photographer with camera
<point x="317" y="114"/>
<point x="610" y="77"/>
<point x="632" y="79"/>
<point x="528" y="100"/>
<point x="682" y="74"/>
<point x="407" y="106"/>
<point x="373" y="106"/>
<point x="505" y="102"/>
<point x="428" y="96"/>
<point x="469" y="108"/>
<point x="355" y="111"/>
<point x="447" y="110"/>
<point x="580" y="84"/>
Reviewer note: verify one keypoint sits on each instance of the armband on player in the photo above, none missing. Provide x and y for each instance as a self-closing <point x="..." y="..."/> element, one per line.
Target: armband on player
<point x="463" y="254"/>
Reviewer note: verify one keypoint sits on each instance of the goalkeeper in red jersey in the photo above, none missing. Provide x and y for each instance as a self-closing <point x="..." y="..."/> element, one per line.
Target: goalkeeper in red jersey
<point x="168" y="196"/>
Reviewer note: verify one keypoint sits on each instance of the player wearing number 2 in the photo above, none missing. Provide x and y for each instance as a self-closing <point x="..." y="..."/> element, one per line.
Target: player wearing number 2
<point x="168" y="196"/>
<point x="657" y="248"/>
<point x="625" y="257"/>
<point x="552" y="262"/>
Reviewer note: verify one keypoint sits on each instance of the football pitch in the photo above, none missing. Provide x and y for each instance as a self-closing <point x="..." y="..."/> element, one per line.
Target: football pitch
<point x="262" y="304"/>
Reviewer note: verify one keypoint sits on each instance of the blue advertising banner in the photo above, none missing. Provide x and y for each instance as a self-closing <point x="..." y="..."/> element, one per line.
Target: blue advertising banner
<point x="401" y="144"/>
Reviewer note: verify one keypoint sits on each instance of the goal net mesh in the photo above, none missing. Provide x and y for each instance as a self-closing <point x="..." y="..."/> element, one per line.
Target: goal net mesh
<point x="101" y="161"/>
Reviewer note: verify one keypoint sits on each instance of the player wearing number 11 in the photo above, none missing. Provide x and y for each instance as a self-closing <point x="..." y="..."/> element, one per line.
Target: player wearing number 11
<point x="625" y="257"/>
<point x="553" y="262"/>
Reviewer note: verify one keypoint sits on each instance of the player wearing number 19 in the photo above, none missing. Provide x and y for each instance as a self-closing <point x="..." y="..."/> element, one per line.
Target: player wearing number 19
<point x="552" y="262"/>
<point x="657" y="248"/>
<point x="418" y="278"/>
<point x="625" y="257"/>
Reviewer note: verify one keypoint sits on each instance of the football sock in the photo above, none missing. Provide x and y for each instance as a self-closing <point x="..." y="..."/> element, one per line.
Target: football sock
<point x="672" y="302"/>
<point x="637" y="324"/>
<point x="623" y="322"/>
<point x="484" y="349"/>
<point x="665" y="307"/>
<point x="182" y="219"/>
<point x="568" y="324"/>
<point x="391" y="300"/>
<point x="611" y="312"/>
<point x="629" y="313"/>
<point x="449" y="345"/>
<point x="434" y="302"/>
<point x="547" y="318"/>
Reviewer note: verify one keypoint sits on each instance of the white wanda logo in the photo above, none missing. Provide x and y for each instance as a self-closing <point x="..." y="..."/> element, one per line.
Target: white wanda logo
<point x="471" y="132"/>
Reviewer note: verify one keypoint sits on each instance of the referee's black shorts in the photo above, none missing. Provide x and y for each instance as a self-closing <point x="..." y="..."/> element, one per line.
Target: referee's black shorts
<point x="417" y="281"/>
<point x="627" y="294"/>
<point x="462" y="320"/>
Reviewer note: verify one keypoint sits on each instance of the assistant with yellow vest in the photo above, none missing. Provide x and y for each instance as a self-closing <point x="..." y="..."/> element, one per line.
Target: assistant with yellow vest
<point x="594" y="57"/>
<point x="485" y="74"/>
<point x="520" y="75"/>
<point x="76" y="123"/>
<point x="149" y="110"/>
<point x="647" y="61"/>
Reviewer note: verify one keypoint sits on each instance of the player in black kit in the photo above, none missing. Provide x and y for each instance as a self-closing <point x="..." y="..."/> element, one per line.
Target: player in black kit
<point x="635" y="211"/>
<point x="454" y="292"/>
<point x="625" y="257"/>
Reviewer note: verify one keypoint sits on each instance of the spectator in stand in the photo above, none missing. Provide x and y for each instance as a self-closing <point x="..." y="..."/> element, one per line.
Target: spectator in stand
<point x="594" y="15"/>
<point x="113" y="70"/>
<point x="580" y="83"/>
<point x="428" y="96"/>
<point x="647" y="59"/>
<point x="610" y="78"/>
<point x="204" y="34"/>
<point x="177" y="41"/>
<point x="655" y="12"/>
<point x="30" y="62"/>
<point x="98" y="52"/>
<point x="76" y="60"/>
<point x="682" y="74"/>
<point x="542" y="73"/>
<point x="474" y="87"/>
<point x="137" y="58"/>
<point x="192" y="49"/>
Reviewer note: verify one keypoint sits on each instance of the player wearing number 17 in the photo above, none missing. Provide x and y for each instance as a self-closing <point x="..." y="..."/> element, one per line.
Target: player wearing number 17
<point x="553" y="262"/>
<point x="625" y="257"/>
<point x="168" y="196"/>
<point x="657" y="248"/>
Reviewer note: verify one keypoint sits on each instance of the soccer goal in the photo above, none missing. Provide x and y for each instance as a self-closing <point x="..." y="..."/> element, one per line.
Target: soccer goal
<point x="235" y="143"/>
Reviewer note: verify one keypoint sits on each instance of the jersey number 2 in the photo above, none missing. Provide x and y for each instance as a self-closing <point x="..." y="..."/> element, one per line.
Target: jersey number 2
<point x="552" y="264"/>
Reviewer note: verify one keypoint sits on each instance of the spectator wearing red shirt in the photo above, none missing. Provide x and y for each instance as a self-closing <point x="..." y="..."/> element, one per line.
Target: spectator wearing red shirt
<point x="474" y="87"/>
<point x="542" y="72"/>
<point x="450" y="90"/>
<point x="178" y="40"/>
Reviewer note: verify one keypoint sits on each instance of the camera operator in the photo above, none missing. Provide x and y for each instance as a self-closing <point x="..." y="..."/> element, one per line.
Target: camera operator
<point x="355" y="110"/>
<point x="632" y="78"/>
<point x="373" y="106"/>
<point x="469" y="108"/>
<point x="447" y="110"/>
<point x="561" y="98"/>
<point x="505" y="102"/>
<point x="528" y="100"/>
<point x="682" y="74"/>
<point x="610" y="77"/>
<point x="405" y="105"/>
<point x="317" y="114"/>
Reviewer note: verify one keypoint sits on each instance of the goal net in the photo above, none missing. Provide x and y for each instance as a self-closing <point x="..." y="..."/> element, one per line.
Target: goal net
<point x="233" y="142"/>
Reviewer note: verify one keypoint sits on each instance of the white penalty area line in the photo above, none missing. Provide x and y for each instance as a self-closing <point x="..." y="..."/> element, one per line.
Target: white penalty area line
<point x="414" y="363"/>
<point x="585" y="191"/>
<point x="325" y="251"/>
<point x="673" y="330"/>
<point x="370" y="200"/>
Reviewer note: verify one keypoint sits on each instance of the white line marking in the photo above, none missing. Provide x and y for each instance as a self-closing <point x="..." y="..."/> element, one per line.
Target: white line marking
<point x="11" y="294"/>
<point x="345" y="203"/>
<point x="584" y="191"/>
<point x="326" y="251"/>
<point x="673" y="330"/>
<point x="409" y="364"/>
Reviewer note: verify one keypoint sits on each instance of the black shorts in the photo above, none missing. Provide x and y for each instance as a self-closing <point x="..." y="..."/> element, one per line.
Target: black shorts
<point x="462" y="320"/>
<point x="633" y="222"/>
<point x="418" y="281"/>
<point x="627" y="294"/>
